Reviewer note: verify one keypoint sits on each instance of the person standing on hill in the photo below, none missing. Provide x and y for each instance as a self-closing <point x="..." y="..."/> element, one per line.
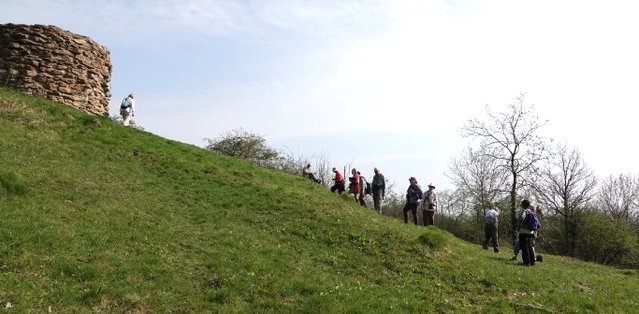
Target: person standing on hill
<point x="413" y="195"/>
<point x="430" y="206"/>
<point x="127" y="109"/>
<point x="355" y="187"/>
<point x="490" y="229"/>
<point x="339" y="182"/>
<point x="516" y="248"/>
<point x="379" y="189"/>
<point x="529" y="223"/>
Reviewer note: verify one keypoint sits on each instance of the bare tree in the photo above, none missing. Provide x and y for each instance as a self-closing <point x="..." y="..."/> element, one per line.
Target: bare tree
<point x="323" y="169"/>
<point x="565" y="185"/>
<point x="480" y="177"/>
<point x="289" y="162"/>
<point x="619" y="197"/>
<point x="511" y="138"/>
<point x="454" y="204"/>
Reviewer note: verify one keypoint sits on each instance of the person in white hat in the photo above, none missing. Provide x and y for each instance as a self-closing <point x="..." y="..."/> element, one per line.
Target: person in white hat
<point x="430" y="205"/>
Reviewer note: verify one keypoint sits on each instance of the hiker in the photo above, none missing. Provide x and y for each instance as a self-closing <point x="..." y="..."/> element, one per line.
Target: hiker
<point x="362" y="188"/>
<point x="516" y="248"/>
<point x="413" y="196"/>
<point x="491" y="229"/>
<point x="307" y="172"/>
<point x="379" y="189"/>
<point x="429" y="206"/>
<point x="529" y="223"/>
<point x="338" y="178"/>
<point x="354" y="186"/>
<point x="127" y="109"/>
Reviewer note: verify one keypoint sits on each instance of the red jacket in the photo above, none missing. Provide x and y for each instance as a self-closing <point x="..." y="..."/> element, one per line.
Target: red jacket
<point x="356" y="188"/>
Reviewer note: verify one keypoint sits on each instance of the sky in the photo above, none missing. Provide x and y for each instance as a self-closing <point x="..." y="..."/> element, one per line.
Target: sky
<point x="377" y="83"/>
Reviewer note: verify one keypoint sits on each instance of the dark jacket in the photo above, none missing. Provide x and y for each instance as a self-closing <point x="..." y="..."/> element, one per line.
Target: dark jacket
<point x="412" y="194"/>
<point x="378" y="184"/>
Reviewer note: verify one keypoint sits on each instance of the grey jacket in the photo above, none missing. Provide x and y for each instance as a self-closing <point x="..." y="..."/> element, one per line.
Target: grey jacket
<point x="379" y="184"/>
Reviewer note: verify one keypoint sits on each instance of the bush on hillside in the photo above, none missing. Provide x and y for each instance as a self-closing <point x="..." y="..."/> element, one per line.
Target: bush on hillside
<point x="606" y="241"/>
<point x="244" y="145"/>
<point x="433" y="238"/>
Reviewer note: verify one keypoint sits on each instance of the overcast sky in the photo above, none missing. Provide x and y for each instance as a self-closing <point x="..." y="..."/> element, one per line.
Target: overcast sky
<point x="371" y="83"/>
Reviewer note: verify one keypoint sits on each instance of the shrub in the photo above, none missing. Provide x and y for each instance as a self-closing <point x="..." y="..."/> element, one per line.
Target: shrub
<point x="244" y="145"/>
<point x="606" y="241"/>
<point x="433" y="238"/>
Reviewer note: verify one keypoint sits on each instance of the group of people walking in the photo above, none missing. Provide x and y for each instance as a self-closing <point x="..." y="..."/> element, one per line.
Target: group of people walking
<point x="415" y="198"/>
<point x="359" y="187"/>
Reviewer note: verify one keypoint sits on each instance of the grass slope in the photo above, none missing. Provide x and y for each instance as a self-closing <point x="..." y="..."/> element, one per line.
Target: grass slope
<point x="98" y="217"/>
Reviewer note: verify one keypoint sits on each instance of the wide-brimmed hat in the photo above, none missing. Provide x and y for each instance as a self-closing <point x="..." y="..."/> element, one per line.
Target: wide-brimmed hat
<point x="334" y="169"/>
<point x="412" y="178"/>
<point x="430" y="185"/>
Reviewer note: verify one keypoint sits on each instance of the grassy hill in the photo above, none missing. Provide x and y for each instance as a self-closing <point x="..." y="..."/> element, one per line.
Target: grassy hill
<point x="98" y="217"/>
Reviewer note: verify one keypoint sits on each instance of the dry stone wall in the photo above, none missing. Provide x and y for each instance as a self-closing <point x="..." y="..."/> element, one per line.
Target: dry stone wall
<point x="56" y="64"/>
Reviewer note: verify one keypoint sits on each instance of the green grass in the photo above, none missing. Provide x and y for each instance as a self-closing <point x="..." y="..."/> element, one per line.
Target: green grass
<point x="96" y="217"/>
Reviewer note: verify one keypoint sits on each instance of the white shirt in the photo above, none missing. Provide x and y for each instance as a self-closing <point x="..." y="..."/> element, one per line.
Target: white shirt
<point x="132" y="107"/>
<point x="491" y="216"/>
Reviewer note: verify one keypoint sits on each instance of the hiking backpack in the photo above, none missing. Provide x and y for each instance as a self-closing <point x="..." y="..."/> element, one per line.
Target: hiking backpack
<point x="126" y="103"/>
<point x="531" y="222"/>
<point x="367" y="189"/>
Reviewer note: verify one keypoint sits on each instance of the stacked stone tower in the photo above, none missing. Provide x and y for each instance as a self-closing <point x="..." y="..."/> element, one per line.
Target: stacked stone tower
<point x="56" y="64"/>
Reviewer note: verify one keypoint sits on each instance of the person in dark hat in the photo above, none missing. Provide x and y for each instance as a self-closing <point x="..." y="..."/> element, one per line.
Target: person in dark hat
<point x="413" y="195"/>
<point x="429" y="206"/>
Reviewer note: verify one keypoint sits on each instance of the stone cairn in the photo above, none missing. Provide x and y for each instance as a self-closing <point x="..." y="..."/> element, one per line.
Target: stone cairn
<point x="50" y="62"/>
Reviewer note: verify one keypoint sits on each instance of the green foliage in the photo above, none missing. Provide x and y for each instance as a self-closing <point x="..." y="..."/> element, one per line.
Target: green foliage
<point x="606" y="241"/>
<point x="434" y="238"/>
<point x="10" y="185"/>
<point x="244" y="145"/>
<point x="118" y="220"/>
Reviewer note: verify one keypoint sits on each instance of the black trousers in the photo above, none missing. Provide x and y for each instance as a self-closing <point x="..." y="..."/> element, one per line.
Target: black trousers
<point x="429" y="217"/>
<point x="526" y="247"/>
<point x="412" y="208"/>
<point x="377" y="200"/>
<point x="338" y="186"/>
<point x="490" y="233"/>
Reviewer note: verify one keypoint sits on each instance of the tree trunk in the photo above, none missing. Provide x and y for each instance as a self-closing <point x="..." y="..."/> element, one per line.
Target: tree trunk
<point x="513" y="205"/>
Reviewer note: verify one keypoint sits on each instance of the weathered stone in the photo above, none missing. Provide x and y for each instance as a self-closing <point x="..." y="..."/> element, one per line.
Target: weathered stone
<point x="57" y="64"/>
